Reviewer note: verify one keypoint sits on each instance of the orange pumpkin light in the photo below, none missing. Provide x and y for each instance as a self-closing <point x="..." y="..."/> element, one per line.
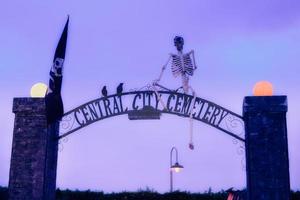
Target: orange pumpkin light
<point x="263" y="88"/>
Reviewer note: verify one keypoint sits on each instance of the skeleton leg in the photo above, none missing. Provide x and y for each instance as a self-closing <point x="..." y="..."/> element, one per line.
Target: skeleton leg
<point x="154" y="84"/>
<point x="191" y="145"/>
<point x="185" y="83"/>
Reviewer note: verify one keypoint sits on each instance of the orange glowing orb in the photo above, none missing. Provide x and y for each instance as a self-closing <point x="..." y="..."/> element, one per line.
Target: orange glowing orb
<point x="263" y="88"/>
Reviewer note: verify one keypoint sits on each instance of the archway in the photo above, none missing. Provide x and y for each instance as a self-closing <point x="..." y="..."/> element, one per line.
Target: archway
<point x="35" y="143"/>
<point x="140" y="105"/>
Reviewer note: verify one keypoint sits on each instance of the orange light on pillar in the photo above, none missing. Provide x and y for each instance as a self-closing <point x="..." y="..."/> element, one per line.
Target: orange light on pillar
<point x="263" y="88"/>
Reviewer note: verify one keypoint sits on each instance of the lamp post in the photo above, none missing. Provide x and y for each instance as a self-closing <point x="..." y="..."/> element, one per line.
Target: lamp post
<point x="176" y="167"/>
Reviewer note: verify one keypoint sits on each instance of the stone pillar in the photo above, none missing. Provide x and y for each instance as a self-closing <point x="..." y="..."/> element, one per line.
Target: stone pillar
<point x="266" y="148"/>
<point x="34" y="152"/>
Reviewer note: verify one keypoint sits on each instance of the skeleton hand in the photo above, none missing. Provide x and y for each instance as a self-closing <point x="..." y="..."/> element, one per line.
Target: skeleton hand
<point x="195" y="67"/>
<point x="155" y="82"/>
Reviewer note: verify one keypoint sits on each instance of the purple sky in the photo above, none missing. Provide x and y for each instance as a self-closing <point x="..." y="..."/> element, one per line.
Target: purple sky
<point x="236" y="43"/>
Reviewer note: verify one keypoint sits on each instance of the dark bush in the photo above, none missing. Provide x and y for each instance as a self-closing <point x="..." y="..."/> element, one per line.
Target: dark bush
<point x="139" y="195"/>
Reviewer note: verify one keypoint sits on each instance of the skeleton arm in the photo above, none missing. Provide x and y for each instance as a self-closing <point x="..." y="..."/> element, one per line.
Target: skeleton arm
<point x="162" y="71"/>
<point x="194" y="61"/>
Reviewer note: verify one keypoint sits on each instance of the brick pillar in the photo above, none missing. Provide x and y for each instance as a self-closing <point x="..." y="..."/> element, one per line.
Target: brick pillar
<point x="34" y="152"/>
<point x="266" y="148"/>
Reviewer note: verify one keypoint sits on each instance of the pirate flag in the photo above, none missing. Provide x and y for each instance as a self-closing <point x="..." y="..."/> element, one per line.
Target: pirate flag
<point x="53" y="100"/>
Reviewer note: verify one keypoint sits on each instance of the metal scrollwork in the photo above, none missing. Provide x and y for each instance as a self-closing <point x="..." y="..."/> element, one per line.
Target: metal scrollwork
<point x="61" y="144"/>
<point x="67" y="123"/>
<point x="236" y="125"/>
<point x="146" y="87"/>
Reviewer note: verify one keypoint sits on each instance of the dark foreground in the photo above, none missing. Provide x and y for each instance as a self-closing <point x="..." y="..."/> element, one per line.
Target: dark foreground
<point x="140" y="195"/>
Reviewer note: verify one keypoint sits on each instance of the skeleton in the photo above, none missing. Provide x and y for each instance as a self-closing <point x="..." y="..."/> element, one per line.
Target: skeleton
<point x="182" y="65"/>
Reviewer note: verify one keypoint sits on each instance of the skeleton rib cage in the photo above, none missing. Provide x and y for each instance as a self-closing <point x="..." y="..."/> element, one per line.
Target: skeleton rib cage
<point x="182" y="65"/>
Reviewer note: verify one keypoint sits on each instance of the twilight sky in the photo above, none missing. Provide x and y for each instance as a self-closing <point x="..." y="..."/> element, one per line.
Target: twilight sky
<point x="236" y="43"/>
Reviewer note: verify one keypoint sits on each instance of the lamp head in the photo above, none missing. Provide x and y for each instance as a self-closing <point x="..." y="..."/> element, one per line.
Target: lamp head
<point x="176" y="167"/>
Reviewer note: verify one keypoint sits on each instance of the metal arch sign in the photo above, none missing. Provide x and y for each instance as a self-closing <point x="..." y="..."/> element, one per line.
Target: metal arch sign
<point x="146" y="105"/>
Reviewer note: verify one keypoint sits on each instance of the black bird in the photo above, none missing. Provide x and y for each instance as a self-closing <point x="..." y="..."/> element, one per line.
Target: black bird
<point x="104" y="91"/>
<point x="120" y="89"/>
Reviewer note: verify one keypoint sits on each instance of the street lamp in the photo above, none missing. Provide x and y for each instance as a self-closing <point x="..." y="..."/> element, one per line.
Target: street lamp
<point x="176" y="167"/>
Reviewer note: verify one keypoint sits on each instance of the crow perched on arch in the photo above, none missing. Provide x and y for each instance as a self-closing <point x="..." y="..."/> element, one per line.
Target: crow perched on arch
<point x="120" y="89"/>
<point x="104" y="91"/>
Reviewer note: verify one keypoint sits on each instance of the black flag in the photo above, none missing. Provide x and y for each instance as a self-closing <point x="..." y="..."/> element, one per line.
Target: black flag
<point x="54" y="103"/>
